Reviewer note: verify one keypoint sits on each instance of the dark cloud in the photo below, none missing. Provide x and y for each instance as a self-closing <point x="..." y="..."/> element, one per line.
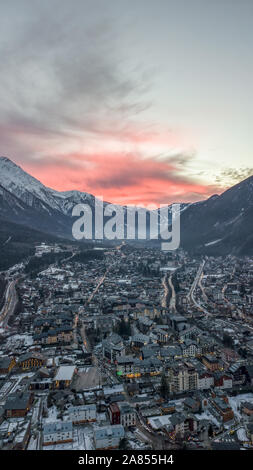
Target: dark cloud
<point x="62" y="73"/>
<point x="231" y="176"/>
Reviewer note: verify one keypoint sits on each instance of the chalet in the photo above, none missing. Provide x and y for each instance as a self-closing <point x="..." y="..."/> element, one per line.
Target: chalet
<point x="64" y="377"/>
<point x="31" y="361"/>
<point x="18" y="404"/>
<point x="223" y="409"/>
<point x="211" y="362"/>
<point x="190" y="348"/>
<point x="60" y="335"/>
<point x="6" y="364"/>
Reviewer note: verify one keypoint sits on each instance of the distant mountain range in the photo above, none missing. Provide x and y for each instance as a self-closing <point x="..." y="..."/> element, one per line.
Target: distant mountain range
<point x="220" y="225"/>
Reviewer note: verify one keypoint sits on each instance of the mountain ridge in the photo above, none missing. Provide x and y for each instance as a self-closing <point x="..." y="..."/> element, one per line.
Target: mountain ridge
<point x="220" y="224"/>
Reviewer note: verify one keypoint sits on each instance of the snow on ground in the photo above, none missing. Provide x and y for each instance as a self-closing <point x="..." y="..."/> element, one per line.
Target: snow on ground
<point x="209" y="416"/>
<point x="88" y="443"/>
<point x="241" y="434"/>
<point x="235" y="402"/>
<point x="228" y="330"/>
<point x="58" y="273"/>
<point x="26" y="339"/>
<point x="32" y="444"/>
<point x="82" y="440"/>
<point x="214" y="242"/>
<point x="52" y="415"/>
<point x="136" y="445"/>
<point x="102" y="417"/>
<point x="140" y="435"/>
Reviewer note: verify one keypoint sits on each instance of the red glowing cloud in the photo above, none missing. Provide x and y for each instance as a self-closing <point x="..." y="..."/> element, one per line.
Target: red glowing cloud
<point x="121" y="178"/>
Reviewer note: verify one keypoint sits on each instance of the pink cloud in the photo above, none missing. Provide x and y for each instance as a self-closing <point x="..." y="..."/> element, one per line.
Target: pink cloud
<point x="120" y="178"/>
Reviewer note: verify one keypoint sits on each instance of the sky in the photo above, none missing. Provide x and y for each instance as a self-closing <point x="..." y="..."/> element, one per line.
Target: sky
<point x="142" y="102"/>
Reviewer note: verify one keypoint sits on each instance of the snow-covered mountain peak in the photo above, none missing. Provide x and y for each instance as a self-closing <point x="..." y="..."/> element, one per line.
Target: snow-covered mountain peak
<point x="24" y="186"/>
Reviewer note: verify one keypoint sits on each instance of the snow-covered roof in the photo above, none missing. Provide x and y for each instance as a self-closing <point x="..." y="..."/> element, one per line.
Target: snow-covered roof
<point x="65" y="373"/>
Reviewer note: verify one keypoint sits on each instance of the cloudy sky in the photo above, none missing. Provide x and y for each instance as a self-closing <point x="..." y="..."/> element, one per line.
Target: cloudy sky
<point x="144" y="101"/>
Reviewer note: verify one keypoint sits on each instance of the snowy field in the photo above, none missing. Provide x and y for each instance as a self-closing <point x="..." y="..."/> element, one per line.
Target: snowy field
<point x="235" y="403"/>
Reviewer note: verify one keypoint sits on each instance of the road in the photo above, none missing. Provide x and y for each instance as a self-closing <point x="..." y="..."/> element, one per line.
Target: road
<point x="232" y="306"/>
<point x="11" y="300"/>
<point x="157" y="441"/>
<point x="202" y="288"/>
<point x="173" y="296"/>
<point x="99" y="284"/>
<point x="164" y="302"/>
<point x="85" y="339"/>
<point x="7" y="241"/>
<point x="105" y="369"/>
<point x="195" y="283"/>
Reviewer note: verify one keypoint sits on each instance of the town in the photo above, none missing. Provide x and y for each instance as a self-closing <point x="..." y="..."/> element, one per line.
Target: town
<point x="126" y="346"/>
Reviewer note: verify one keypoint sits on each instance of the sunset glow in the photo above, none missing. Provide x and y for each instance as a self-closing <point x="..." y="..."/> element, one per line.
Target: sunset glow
<point x="103" y="106"/>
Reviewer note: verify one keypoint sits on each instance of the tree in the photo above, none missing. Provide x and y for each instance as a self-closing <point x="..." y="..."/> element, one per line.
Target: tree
<point x="210" y="431"/>
<point x="123" y="444"/>
<point x="227" y="340"/>
<point x="164" y="390"/>
<point x="123" y="329"/>
<point x="242" y="290"/>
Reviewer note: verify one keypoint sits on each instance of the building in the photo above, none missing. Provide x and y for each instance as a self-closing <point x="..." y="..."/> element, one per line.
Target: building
<point x="125" y="365"/>
<point x="114" y="413"/>
<point x="139" y="340"/>
<point x="192" y="405"/>
<point x="6" y="364"/>
<point x="31" y="361"/>
<point x="127" y="415"/>
<point x="61" y="335"/>
<point x="211" y="362"/>
<point x="178" y="322"/>
<point x="57" y="433"/>
<point x="182" y="424"/>
<point x="222" y="381"/>
<point x="17" y="405"/>
<point x="64" y="376"/>
<point x="205" y="381"/>
<point x="113" y="347"/>
<point x="190" y="348"/>
<point x="108" y="437"/>
<point x="182" y="378"/>
<point x="223" y="409"/>
<point x="83" y="414"/>
<point x="134" y="367"/>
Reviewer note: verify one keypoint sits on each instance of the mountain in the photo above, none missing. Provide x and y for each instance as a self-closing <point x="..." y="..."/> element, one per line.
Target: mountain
<point x="25" y="200"/>
<point x="219" y="225"/>
<point x="33" y="193"/>
<point x="17" y="242"/>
